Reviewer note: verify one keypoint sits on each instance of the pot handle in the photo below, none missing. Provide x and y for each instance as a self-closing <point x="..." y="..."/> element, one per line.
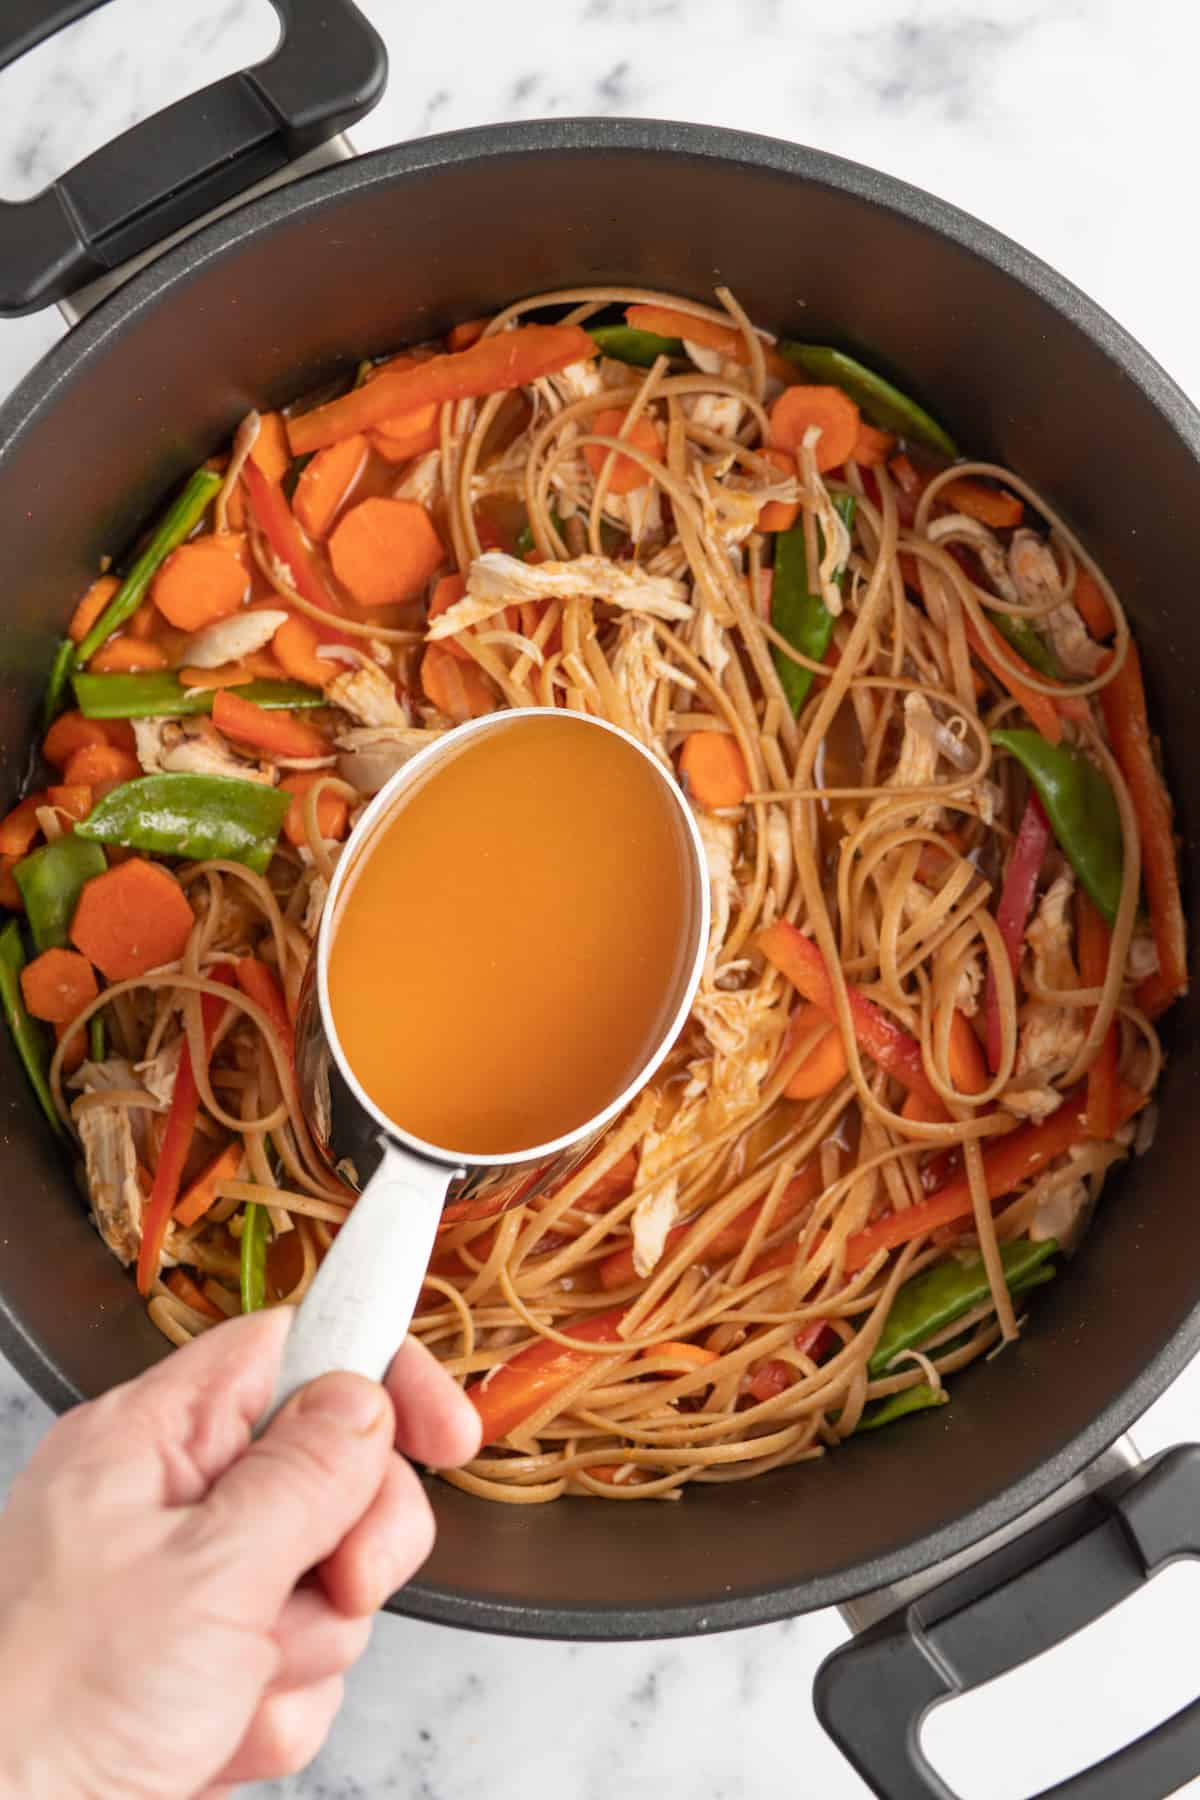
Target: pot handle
<point x="327" y="70"/>
<point x="872" y="1695"/>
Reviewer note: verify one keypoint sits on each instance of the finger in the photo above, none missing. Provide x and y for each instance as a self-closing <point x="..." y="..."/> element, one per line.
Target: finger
<point x="286" y="1733"/>
<point x="435" y="1422"/>
<point x="292" y="1497"/>
<point x="387" y="1545"/>
<point x="315" y="1640"/>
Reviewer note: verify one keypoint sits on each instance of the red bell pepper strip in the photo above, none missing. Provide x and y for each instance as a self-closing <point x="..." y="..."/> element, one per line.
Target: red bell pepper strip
<point x="517" y="1388"/>
<point x="1095" y="946"/>
<point x="885" y="1042"/>
<point x="259" y="984"/>
<point x="773" y="1376"/>
<point x="275" y="518"/>
<point x="1010" y="1161"/>
<point x="1123" y="703"/>
<point x="617" y="1270"/>
<point x="1016" y="904"/>
<point x="177" y="1140"/>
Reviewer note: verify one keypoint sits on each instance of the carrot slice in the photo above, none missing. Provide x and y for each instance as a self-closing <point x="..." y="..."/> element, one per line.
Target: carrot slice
<point x="992" y="506"/>
<point x="779" y="515"/>
<point x="74" y="799"/>
<point x="833" y="412"/>
<point x="185" y="1289"/>
<point x="57" y="985"/>
<point x="825" y="1064"/>
<point x="872" y="447"/>
<point x="96" y="764"/>
<point x="71" y="732"/>
<point x="202" y="582"/>
<point x="1093" y="607"/>
<point x="271" y="451"/>
<point x="726" y="340"/>
<point x="295" y="647"/>
<point x="1041" y="708"/>
<point x="384" y="551"/>
<point x="714" y="769"/>
<point x="235" y="674"/>
<point x="968" y="1073"/>
<point x="278" y="733"/>
<point x="1123" y="703"/>
<point x="127" y="656"/>
<point x="887" y="1043"/>
<point x="461" y="337"/>
<point x="202" y="1192"/>
<point x="19" y="827"/>
<point x="627" y="475"/>
<point x="91" y="606"/>
<point x="325" y="484"/>
<point x="492" y="365"/>
<point x="460" y="691"/>
<point x="132" y="918"/>
<point x="142" y="625"/>
<point x="517" y="1388"/>
<point x="617" y="1270"/>
<point x="1094" y="940"/>
<point x="687" y="1356"/>
<point x="332" y="812"/>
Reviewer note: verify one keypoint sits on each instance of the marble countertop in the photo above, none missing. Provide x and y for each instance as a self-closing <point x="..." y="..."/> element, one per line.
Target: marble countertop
<point x="1067" y="123"/>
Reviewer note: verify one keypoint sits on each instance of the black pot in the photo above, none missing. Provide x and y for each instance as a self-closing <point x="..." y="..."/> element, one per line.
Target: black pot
<point x="291" y="287"/>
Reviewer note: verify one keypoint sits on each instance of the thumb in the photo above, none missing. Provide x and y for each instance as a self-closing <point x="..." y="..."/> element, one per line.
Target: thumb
<point x="295" y="1493"/>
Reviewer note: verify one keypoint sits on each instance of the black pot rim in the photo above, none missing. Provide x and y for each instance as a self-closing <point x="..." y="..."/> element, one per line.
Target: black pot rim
<point x="314" y="193"/>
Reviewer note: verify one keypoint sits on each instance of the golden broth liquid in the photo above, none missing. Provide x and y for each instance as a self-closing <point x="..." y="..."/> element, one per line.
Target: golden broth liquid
<point x="511" y="944"/>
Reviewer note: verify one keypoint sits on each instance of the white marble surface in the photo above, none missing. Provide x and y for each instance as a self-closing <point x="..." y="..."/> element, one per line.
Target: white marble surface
<point x="1070" y="125"/>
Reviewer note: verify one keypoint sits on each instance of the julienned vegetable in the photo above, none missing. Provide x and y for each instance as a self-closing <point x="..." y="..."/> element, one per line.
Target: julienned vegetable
<point x="625" y="343"/>
<point x="56" y="684"/>
<point x="1081" y="809"/>
<point x="96" y="1037"/>
<point x="918" y="1398"/>
<point x="939" y="1296"/>
<point x="51" y="880"/>
<point x="1028" y="643"/>
<point x="1016" y="904"/>
<point x="882" y="403"/>
<point x="256" y="1226"/>
<point x="161" y="696"/>
<point x="518" y="1387"/>
<point x="28" y="1037"/>
<point x="797" y="613"/>
<point x="197" y="816"/>
<point x="178" y="522"/>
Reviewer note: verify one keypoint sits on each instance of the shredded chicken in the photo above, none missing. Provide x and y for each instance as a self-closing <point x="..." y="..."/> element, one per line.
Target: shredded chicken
<point x="368" y="694"/>
<point x="371" y="754"/>
<point x="422" y="480"/>
<point x="1061" y="1212"/>
<point x="314" y="906"/>
<point x="157" y="1075"/>
<point x="494" y="580"/>
<point x="779" y="854"/>
<point x="110" y="1155"/>
<point x="639" y="669"/>
<point x="970" y="985"/>
<point x="1038" y="580"/>
<point x="653" y="1217"/>
<point x="719" y="838"/>
<point x="1049" y="935"/>
<point x="230" y="639"/>
<point x="194" y="747"/>
<point x="1142" y="960"/>
<point x="1034" y="1101"/>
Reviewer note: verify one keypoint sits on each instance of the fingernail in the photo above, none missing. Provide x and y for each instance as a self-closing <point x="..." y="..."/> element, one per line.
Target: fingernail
<point x="360" y="1406"/>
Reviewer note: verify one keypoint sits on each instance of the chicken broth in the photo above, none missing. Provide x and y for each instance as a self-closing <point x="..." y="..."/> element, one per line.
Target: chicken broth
<point x="510" y="946"/>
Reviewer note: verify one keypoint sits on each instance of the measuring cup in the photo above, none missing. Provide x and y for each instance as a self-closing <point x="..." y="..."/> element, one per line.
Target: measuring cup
<point x="357" y="1311"/>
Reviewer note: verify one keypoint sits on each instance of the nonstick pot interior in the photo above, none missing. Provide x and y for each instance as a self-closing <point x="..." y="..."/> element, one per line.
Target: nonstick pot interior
<point x="398" y="246"/>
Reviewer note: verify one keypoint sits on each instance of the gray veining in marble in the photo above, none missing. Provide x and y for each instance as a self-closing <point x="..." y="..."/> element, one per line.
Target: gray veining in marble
<point x="1067" y="123"/>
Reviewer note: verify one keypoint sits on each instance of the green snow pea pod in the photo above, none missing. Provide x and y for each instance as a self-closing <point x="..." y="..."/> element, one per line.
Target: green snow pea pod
<point x="798" y="614"/>
<point x="1028" y="642"/>
<point x="918" y="1398"/>
<point x="160" y="695"/>
<point x="256" y="1227"/>
<point x="28" y="1037"/>
<point x="178" y="522"/>
<point x="883" y="404"/>
<point x="198" y="816"/>
<point x="51" y="880"/>
<point x="1081" y="808"/>
<point x="625" y="343"/>
<point x="938" y="1296"/>
<point x="96" y="1037"/>
<point x="56" y="683"/>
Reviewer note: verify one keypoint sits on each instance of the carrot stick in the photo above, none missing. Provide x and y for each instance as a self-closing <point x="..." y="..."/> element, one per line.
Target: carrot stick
<point x="411" y="433"/>
<point x="57" y="985"/>
<point x="1093" y="607"/>
<point x="458" y="691"/>
<point x="203" y="1191"/>
<point x="1123" y="703"/>
<point x="885" y="1042"/>
<point x="617" y="1270"/>
<point x="799" y="408"/>
<point x="1010" y="1161"/>
<point x="271" y="453"/>
<point x="332" y="812"/>
<point x="132" y="918"/>
<point x="510" y="359"/>
<point x="127" y="656"/>
<point x="714" y="769"/>
<point x="825" y="1064"/>
<point x="96" y="764"/>
<point x="990" y="505"/>
<point x="520" y="1386"/>
<point x="185" y="1289"/>
<point x="71" y="732"/>
<point x="201" y="582"/>
<point x="91" y="606"/>
<point x="325" y="484"/>
<point x="384" y="551"/>
<point x="1094" y="940"/>
<point x="627" y="475"/>
<point x="278" y="733"/>
<point x="968" y="1073"/>
<point x="1040" y="707"/>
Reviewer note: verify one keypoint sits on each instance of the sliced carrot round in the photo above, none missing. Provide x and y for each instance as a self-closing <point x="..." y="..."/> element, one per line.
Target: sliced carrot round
<point x="202" y="582"/>
<point x="132" y="918"/>
<point x="714" y="769"/>
<point x="798" y="409"/>
<point x="97" y="763"/>
<point x="58" y="984"/>
<point x="384" y="551"/>
<point x="71" y="732"/>
<point x="295" y="647"/>
<point x="460" y="690"/>
<point x="645" y="436"/>
<point x="127" y="656"/>
<point x="325" y="485"/>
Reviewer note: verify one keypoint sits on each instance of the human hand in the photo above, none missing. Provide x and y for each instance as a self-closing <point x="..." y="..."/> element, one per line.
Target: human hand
<point x="154" y="1643"/>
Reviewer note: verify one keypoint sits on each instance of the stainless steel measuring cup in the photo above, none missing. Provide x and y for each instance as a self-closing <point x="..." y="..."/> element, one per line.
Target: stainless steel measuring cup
<point x="357" y="1311"/>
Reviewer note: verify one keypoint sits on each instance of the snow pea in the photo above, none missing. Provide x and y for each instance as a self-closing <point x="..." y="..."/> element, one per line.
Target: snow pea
<point x="625" y="343"/>
<point x="883" y="404"/>
<point x="28" y="1038"/>
<point x="938" y="1296"/>
<point x="96" y="1037"/>
<point x="798" y="614"/>
<point x="918" y="1398"/>
<point x="256" y="1227"/>
<point x="50" y="880"/>
<point x="159" y="695"/>
<point x="178" y="522"/>
<point x="56" y="684"/>
<point x="1081" y="808"/>
<point x="1028" y="642"/>
<point x="197" y="816"/>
